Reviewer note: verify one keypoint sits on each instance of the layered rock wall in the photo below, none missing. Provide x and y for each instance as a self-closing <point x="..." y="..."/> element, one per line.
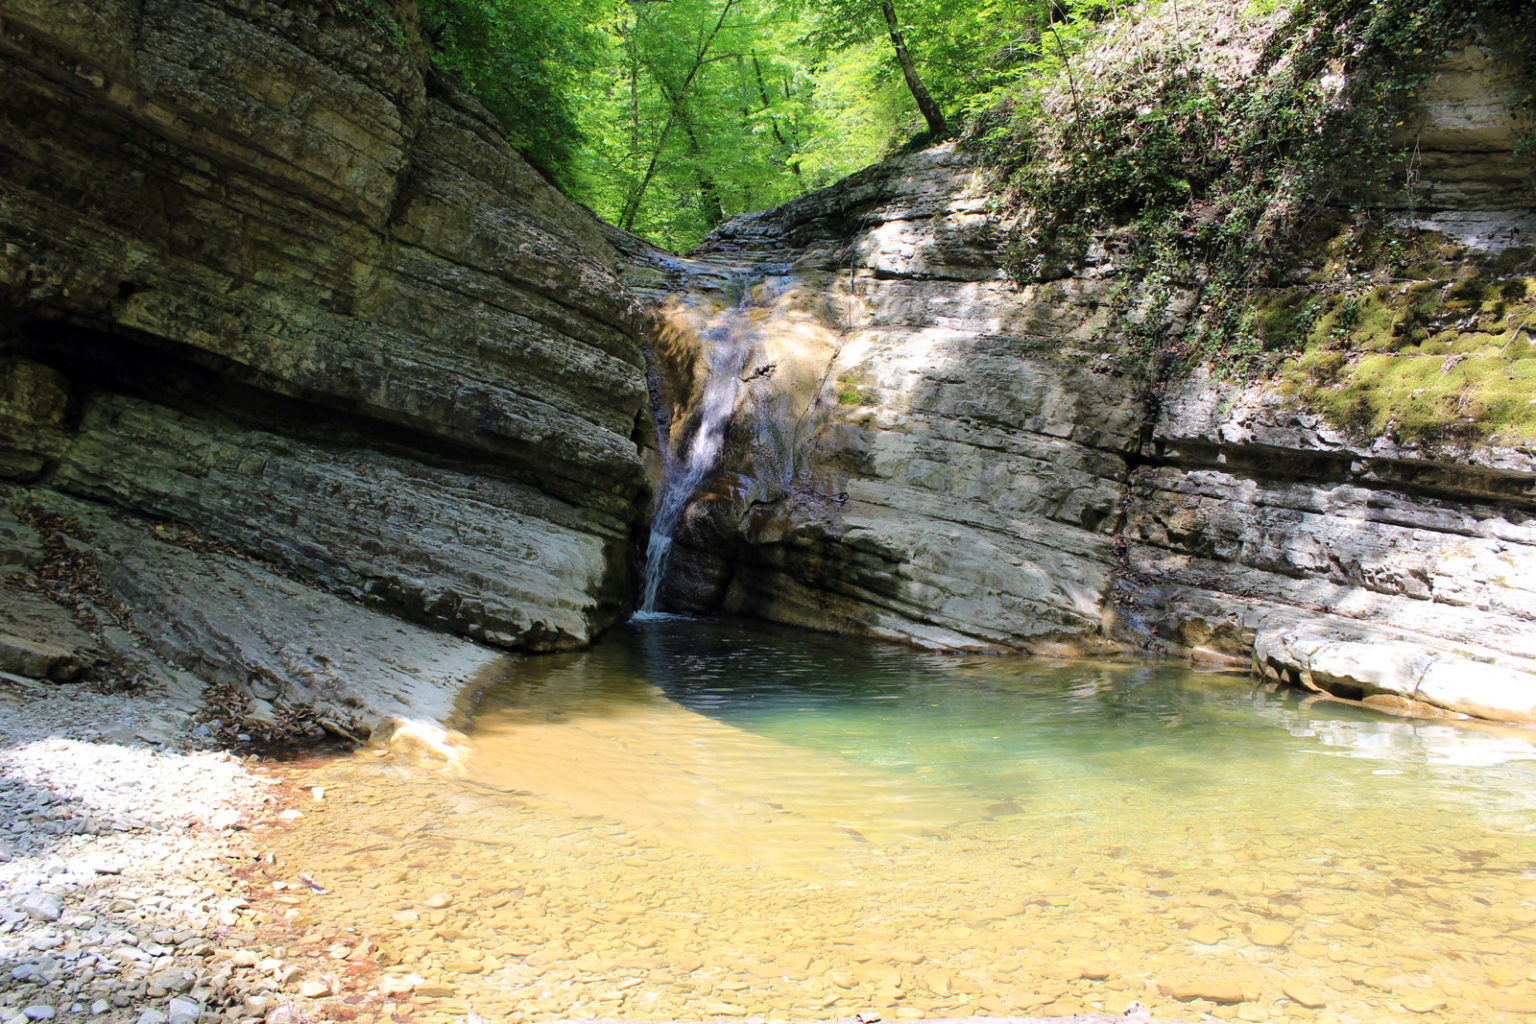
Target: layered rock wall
<point x="267" y="275"/>
<point x="967" y="466"/>
<point x="916" y="462"/>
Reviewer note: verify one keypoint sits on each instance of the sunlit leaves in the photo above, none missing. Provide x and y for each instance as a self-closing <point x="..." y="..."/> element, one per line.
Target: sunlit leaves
<point x="666" y="115"/>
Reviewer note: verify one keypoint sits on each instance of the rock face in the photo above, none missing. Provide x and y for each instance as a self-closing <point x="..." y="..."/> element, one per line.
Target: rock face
<point x="266" y="275"/>
<point x="916" y="464"/>
<point x="1465" y="133"/>
<point x="303" y="371"/>
<point x="1351" y="567"/>
<point x="926" y="451"/>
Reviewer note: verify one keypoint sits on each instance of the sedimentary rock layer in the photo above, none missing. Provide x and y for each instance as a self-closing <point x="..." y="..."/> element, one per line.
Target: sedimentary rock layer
<point x="910" y="458"/>
<point x="928" y="451"/>
<point x="265" y="273"/>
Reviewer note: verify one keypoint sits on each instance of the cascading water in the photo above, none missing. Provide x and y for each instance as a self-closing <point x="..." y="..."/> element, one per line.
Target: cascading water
<point x="726" y="349"/>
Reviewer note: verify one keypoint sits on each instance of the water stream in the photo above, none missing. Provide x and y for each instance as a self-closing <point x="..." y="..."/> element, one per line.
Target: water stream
<point x="689" y="457"/>
<point x="704" y="819"/>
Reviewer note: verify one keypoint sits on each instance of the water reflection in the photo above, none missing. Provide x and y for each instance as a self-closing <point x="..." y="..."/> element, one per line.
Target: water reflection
<point x="704" y="819"/>
<point x="975" y="722"/>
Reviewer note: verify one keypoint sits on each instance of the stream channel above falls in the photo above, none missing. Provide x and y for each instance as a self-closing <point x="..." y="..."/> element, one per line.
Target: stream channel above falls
<point x="698" y="819"/>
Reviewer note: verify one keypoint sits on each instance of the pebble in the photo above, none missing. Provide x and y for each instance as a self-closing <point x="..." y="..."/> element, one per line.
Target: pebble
<point x="1303" y="994"/>
<point x="398" y="984"/>
<point x="112" y="823"/>
<point x="1513" y="1002"/>
<point x="183" y="1011"/>
<point x="1206" y="934"/>
<point x="173" y="980"/>
<point x="1217" y="990"/>
<point x="1419" y="1003"/>
<point x="1271" y="933"/>
<point x="43" y="906"/>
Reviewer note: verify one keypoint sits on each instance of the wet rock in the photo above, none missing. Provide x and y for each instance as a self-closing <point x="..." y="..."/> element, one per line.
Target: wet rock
<point x="1217" y="990"/>
<point x="1512" y="1002"/>
<point x="1206" y="934"/>
<point x="391" y="985"/>
<point x="1270" y="933"/>
<point x="1304" y="994"/>
<point x="1422" y="1003"/>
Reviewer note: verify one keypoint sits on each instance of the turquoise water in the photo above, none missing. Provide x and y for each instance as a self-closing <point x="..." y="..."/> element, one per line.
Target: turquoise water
<point x="698" y="819"/>
<point x="1023" y="729"/>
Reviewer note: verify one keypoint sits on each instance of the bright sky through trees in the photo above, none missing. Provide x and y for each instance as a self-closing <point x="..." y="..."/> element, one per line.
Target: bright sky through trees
<point x="665" y="116"/>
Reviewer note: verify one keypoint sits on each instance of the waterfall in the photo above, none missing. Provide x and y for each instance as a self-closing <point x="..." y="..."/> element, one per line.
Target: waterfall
<point x="726" y="348"/>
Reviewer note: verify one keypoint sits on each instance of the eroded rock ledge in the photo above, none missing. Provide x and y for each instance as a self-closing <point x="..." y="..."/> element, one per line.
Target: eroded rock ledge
<point x="942" y="456"/>
<point x="267" y="276"/>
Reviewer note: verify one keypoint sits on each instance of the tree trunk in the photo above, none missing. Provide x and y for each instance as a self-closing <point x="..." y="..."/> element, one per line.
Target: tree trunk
<point x="773" y="121"/>
<point x="931" y="112"/>
<point x="709" y="195"/>
<point x="632" y="203"/>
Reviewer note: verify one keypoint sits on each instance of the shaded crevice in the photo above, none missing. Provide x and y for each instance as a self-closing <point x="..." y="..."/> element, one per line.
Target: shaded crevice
<point x="190" y="382"/>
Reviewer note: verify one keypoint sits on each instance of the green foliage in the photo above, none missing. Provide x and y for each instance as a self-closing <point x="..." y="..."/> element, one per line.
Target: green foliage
<point x="698" y="119"/>
<point x="524" y="61"/>
<point x="378" y="13"/>
<point x="1209" y="181"/>
<point x="665" y="116"/>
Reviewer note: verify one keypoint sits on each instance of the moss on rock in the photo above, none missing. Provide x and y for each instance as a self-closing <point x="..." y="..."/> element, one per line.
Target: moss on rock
<point x="1437" y="360"/>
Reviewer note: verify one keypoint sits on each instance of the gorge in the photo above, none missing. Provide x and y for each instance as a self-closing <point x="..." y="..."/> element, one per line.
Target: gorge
<point x="322" y="411"/>
<point x="285" y="300"/>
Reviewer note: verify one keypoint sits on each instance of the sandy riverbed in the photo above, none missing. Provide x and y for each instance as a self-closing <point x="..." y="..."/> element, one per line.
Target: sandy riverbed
<point x="135" y="885"/>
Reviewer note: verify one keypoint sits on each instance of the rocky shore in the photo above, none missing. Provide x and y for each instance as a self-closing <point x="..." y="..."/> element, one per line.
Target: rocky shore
<point x="120" y="832"/>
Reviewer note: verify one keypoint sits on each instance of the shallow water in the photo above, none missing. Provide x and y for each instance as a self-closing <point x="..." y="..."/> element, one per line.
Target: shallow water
<point x="699" y="819"/>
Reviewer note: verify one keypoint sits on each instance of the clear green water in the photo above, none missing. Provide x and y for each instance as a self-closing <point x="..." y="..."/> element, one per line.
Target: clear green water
<point x="716" y="819"/>
<point x="1052" y="737"/>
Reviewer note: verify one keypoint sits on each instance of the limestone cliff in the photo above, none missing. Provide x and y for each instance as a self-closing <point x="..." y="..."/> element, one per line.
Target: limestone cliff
<point x="926" y="449"/>
<point x="310" y="387"/>
<point x="267" y="276"/>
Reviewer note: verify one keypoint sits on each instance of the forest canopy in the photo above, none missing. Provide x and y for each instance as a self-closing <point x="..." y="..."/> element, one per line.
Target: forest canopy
<point x="666" y="116"/>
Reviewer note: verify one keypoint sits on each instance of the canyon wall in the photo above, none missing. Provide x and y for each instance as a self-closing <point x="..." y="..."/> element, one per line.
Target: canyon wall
<point x="280" y="299"/>
<point x="314" y="390"/>
<point x="930" y="451"/>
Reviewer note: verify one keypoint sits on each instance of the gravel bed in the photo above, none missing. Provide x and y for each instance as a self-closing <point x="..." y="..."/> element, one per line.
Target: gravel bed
<point x="117" y="902"/>
<point x="119" y="833"/>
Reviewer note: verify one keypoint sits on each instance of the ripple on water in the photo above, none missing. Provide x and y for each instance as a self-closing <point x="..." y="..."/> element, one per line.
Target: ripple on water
<point x="699" y="819"/>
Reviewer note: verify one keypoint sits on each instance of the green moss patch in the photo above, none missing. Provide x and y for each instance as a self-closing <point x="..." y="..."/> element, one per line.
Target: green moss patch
<point x="1422" y="362"/>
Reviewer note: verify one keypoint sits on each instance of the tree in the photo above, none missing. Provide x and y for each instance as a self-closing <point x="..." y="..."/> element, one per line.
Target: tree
<point x="667" y="116"/>
<point x="677" y="94"/>
<point x="522" y="60"/>
<point x="937" y="126"/>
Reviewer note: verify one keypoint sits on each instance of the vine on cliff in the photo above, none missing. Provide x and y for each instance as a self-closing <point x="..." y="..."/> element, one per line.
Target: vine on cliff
<point x="1216" y="145"/>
